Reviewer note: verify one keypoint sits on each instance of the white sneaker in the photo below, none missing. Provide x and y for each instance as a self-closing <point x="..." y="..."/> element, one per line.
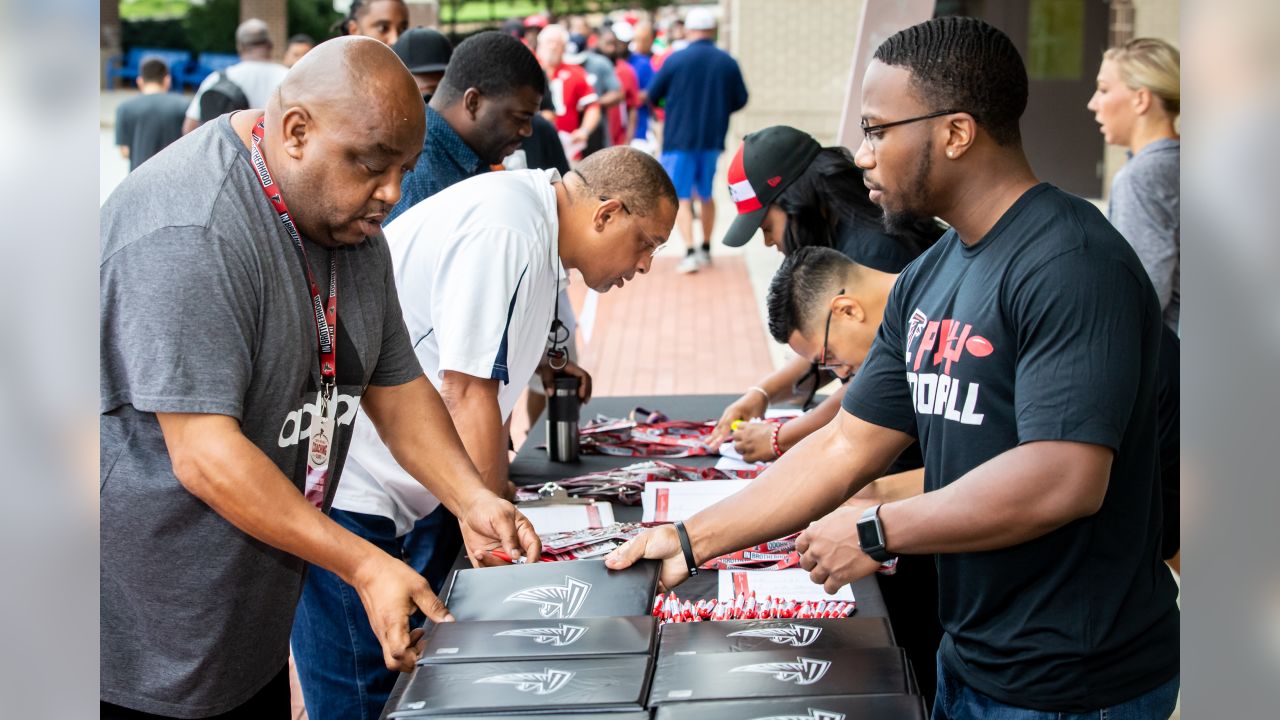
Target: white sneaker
<point x="689" y="264"/>
<point x="704" y="257"/>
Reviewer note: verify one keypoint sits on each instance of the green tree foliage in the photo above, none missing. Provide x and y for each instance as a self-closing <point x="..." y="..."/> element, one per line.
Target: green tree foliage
<point x="211" y="27"/>
<point x="313" y="17"/>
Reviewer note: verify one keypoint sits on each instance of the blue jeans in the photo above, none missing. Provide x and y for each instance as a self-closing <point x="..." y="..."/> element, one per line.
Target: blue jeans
<point x="339" y="659"/>
<point x="957" y="701"/>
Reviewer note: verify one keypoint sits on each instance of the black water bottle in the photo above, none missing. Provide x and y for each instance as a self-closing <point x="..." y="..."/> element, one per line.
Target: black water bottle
<point x="562" y="419"/>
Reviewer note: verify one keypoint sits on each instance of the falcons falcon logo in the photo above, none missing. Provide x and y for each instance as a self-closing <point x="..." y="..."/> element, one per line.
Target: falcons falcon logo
<point x="915" y="325"/>
<point x="813" y="715"/>
<point x="805" y="671"/>
<point x="558" y="636"/>
<point x="555" y="601"/>
<point x="796" y="635"/>
<point x="543" y="683"/>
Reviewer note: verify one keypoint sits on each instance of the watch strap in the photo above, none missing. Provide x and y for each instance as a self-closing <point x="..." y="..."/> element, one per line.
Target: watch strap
<point x="686" y="547"/>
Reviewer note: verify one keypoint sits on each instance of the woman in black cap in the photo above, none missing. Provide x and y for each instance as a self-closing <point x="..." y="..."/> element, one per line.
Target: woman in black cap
<point x="801" y="194"/>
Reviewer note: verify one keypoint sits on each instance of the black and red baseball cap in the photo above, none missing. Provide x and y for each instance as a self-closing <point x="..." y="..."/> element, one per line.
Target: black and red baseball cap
<point x="765" y="164"/>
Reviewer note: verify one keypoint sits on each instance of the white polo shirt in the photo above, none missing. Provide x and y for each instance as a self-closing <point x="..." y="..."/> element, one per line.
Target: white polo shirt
<point x="477" y="268"/>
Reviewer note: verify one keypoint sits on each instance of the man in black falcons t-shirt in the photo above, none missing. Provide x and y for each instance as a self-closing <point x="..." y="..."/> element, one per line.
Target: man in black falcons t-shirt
<point x="1021" y="351"/>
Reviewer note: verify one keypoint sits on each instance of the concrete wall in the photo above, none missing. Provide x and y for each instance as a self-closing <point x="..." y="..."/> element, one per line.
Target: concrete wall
<point x="796" y="56"/>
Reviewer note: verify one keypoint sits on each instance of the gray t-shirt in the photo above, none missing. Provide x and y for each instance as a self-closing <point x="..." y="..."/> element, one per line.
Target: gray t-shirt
<point x="205" y="309"/>
<point x="147" y="124"/>
<point x="1144" y="208"/>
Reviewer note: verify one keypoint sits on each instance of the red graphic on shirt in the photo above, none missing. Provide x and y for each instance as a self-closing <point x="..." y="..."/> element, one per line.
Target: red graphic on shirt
<point x="933" y="389"/>
<point x="773" y="181"/>
<point x="947" y="341"/>
<point x="979" y="346"/>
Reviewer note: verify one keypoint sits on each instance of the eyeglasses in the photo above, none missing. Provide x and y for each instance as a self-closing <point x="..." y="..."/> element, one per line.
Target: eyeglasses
<point x="826" y="335"/>
<point x="873" y="133"/>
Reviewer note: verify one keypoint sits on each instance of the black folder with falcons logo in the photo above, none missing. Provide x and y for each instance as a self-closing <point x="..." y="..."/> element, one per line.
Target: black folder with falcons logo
<point x="606" y="715"/>
<point x="786" y="672"/>
<point x="473" y="641"/>
<point x="752" y="635"/>
<point x="600" y="684"/>
<point x="552" y="591"/>
<point x="842" y="707"/>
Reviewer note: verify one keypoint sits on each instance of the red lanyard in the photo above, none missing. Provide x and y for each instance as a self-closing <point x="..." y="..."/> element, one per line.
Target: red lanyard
<point x="325" y="313"/>
<point x="665" y="439"/>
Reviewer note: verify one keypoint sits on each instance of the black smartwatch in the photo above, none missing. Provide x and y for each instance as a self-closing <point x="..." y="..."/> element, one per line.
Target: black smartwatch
<point x="871" y="535"/>
<point x="686" y="547"/>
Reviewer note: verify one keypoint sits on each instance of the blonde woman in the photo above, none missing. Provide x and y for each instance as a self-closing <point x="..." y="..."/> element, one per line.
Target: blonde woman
<point x="1136" y="105"/>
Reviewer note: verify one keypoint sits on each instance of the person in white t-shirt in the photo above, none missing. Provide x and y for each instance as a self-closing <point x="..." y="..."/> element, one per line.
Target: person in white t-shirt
<point x="257" y="74"/>
<point x="478" y="270"/>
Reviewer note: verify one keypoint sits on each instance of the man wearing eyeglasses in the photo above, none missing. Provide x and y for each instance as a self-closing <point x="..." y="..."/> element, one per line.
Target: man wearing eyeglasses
<point x="1021" y="351"/>
<point x="478" y="270"/>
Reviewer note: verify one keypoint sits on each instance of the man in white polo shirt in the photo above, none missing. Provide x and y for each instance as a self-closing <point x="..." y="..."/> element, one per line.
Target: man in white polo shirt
<point x="479" y="267"/>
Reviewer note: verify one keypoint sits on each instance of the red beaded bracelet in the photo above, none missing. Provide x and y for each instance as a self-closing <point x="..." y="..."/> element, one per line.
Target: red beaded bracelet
<point x="773" y="441"/>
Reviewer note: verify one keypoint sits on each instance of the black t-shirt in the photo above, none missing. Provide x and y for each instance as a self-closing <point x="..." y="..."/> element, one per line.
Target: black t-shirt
<point x="542" y="149"/>
<point x="148" y="123"/>
<point x="1046" y="329"/>
<point x="1169" y="406"/>
<point x="870" y="246"/>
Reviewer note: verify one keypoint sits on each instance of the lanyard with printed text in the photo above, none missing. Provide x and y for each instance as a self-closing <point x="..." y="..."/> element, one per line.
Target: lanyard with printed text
<point x="325" y="315"/>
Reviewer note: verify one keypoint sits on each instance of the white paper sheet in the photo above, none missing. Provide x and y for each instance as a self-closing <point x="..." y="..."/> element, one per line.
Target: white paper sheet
<point x="792" y="584"/>
<point x="731" y="459"/>
<point x="728" y="463"/>
<point x="548" y="519"/>
<point x="671" y="501"/>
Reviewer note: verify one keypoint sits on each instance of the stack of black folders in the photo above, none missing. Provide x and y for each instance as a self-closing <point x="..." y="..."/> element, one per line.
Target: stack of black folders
<point x="822" y="669"/>
<point x="576" y="640"/>
<point x="540" y="640"/>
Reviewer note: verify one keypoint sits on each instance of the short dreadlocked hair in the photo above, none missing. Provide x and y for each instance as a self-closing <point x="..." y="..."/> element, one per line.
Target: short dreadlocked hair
<point x="964" y="64"/>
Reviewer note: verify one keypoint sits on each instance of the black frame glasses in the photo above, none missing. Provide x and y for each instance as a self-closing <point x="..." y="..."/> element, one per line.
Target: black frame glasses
<point x="826" y="335"/>
<point x="875" y="131"/>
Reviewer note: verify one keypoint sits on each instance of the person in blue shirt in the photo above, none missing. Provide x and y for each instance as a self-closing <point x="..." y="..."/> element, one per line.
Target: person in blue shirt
<point x="699" y="87"/>
<point x="641" y="61"/>
<point x="479" y="114"/>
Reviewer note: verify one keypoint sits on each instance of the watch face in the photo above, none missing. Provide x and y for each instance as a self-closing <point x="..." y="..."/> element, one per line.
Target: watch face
<point x="868" y="533"/>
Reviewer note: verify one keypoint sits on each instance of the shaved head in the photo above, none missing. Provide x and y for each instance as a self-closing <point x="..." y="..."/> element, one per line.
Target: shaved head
<point x="340" y="131"/>
<point x="358" y="78"/>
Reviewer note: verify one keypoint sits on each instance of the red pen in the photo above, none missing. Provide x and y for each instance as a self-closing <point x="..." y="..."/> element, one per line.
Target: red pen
<point x="507" y="558"/>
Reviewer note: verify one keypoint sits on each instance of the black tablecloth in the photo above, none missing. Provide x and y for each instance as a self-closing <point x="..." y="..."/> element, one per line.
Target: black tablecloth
<point x="532" y="466"/>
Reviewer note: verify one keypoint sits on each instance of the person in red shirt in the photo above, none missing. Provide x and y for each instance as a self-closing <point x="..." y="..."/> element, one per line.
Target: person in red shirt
<point x="577" y="110"/>
<point x="622" y="116"/>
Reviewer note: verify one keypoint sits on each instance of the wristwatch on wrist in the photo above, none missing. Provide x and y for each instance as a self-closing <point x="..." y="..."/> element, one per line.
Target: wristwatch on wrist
<point x="686" y="548"/>
<point x="871" y="535"/>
